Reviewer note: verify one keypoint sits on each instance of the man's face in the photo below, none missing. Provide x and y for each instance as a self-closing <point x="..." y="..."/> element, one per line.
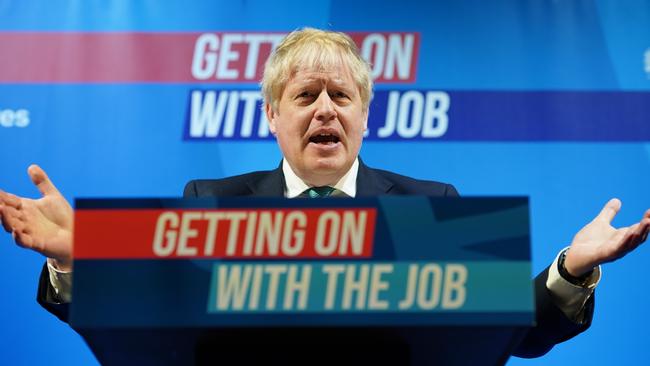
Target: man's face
<point x="319" y="124"/>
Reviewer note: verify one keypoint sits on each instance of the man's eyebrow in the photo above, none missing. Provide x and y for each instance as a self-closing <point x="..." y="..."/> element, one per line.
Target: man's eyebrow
<point x="339" y="82"/>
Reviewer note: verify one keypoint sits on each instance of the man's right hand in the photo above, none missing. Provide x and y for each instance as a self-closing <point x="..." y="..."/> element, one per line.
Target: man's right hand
<point x="44" y="225"/>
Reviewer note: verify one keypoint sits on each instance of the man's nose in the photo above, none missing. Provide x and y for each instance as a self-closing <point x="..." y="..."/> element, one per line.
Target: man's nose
<point x="325" y="110"/>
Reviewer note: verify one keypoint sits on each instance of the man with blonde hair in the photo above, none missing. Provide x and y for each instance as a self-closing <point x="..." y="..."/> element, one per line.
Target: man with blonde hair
<point x="317" y="90"/>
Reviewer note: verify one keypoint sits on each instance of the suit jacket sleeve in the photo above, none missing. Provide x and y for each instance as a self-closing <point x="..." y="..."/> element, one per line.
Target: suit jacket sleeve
<point x="46" y="296"/>
<point x="552" y="326"/>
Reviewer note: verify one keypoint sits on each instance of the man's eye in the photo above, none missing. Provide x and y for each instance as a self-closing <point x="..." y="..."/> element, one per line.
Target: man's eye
<point x="339" y="95"/>
<point x="304" y="94"/>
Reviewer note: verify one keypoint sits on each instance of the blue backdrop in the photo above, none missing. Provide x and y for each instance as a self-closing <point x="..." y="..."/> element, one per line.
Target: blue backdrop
<point x="548" y="99"/>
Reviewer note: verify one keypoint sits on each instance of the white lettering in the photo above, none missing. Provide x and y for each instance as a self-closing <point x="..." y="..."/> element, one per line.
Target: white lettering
<point x="399" y="56"/>
<point x="228" y="55"/>
<point x="274" y="271"/>
<point x="353" y="232"/>
<point x="332" y="221"/>
<point x="377" y="43"/>
<point x="295" y="220"/>
<point x="414" y="113"/>
<point x="429" y="286"/>
<point x="353" y="285"/>
<point x="205" y="119"/>
<point x="11" y="118"/>
<point x="295" y="286"/>
<point x="166" y="221"/>
<point x="333" y="272"/>
<point x="211" y="235"/>
<point x="391" y="116"/>
<point x="425" y="286"/>
<point x="411" y="103"/>
<point x="233" y="286"/>
<point x="436" y="119"/>
<point x="231" y="114"/>
<point x="186" y="233"/>
<point x="454" y="292"/>
<point x="268" y="233"/>
<point x="204" y="60"/>
<point x="215" y="112"/>
<point x="377" y="285"/>
<point x="254" y="41"/>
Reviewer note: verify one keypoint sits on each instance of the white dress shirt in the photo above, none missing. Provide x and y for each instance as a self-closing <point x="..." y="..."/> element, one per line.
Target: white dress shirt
<point x="296" y="186"/>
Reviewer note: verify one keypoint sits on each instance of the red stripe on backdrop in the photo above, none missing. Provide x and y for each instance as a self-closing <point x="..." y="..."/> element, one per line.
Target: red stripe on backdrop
<point x="96" y="57"/>
<point x="168" y="234"/>
<point x="217" y="57"/>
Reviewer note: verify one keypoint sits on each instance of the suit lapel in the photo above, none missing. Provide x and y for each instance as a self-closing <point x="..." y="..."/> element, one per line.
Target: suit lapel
<point x="370" y="183"/>
<point x="270" y="185"/>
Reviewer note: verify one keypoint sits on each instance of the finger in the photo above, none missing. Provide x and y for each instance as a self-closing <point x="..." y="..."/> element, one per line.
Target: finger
<point x="610" y="210"/>
<point x="12" y="213"/>
<point x="10" y="219"/>
<point x="643" y="229"/>
<point x="15" y="225"/>
<point x="41" y="180"/>
<point x="4" y="219"/>
<point x="23" y="239"/>
<point x="631" y="237"/>
<point x="636" y="235"/>
<point x="622" y="238"/>
<point x="640" y="229"/>
<point x="9" y="199"/>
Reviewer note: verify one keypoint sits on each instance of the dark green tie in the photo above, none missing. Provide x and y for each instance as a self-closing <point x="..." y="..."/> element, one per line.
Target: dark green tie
<point x="318" y="192"/>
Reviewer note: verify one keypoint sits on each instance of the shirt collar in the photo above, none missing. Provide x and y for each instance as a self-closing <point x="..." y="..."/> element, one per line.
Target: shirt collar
<point x="294" y="186"/>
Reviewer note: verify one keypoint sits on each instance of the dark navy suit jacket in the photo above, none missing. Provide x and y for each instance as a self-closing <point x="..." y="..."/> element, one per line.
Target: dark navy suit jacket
<point x="552" y="325"/>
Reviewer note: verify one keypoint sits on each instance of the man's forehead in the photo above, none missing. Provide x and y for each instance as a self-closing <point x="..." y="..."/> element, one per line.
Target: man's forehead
<point x="335" y="74"/>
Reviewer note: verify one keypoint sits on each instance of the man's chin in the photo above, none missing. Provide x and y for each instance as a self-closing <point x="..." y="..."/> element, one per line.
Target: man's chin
<point x="326" y="171"/>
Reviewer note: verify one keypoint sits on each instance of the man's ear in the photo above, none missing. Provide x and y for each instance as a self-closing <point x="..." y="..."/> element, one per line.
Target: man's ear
<point x="365" y="120"/>
<point x="270" y="116"/>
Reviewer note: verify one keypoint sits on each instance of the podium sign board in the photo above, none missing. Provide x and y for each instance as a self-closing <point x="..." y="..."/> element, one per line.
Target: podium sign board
<point x="239" y="262"/>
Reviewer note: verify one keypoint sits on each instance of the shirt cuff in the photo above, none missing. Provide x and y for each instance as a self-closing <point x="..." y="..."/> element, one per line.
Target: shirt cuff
<point x="568" y="297"/>
<point x="61" y="282"/>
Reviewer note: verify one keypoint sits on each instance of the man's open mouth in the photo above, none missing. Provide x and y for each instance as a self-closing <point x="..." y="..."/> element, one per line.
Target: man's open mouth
<point x="324" y="138"/>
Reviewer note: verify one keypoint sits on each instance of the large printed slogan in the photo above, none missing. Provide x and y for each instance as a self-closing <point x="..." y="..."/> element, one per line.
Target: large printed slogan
<point x="218" y="73"/>
<point x="387" y="261"/>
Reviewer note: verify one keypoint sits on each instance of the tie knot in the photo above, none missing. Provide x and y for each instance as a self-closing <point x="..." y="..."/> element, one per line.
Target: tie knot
<point x="318" y="192"/>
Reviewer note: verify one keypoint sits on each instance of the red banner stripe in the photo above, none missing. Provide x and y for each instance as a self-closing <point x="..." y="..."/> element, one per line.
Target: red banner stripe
<point x="124" y="57"/>
<point x="244" y="233"/>
<point x="96" y="57"/>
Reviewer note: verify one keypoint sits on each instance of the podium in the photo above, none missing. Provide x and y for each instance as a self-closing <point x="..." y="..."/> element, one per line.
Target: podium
<point x="387" y="280"/>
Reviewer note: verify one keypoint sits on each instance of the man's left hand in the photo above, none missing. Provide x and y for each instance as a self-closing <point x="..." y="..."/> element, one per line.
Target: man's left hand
<point x="599" y="242"/>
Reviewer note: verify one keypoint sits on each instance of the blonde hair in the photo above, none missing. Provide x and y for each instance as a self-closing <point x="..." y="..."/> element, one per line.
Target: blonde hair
<point x="317" y="49"/>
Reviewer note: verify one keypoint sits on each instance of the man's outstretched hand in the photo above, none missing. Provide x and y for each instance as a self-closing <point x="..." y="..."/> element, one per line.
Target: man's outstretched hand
<point x="598" y="242"/>
<point x="43" y="225"/>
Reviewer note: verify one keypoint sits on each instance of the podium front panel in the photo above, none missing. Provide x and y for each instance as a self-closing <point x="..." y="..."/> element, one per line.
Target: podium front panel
<point x="241" y="262"/>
